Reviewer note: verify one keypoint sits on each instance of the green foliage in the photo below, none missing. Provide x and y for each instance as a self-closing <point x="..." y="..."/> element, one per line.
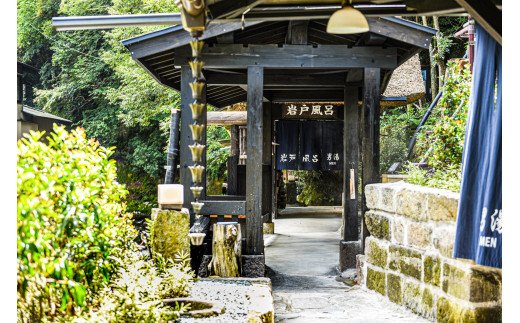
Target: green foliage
<point x="76" y="257"/>
<point x="320" y="187"/>
<point x="70" y="222"/>
<point x="442" y="142"/>
<point x="217" y="155"/>
<point x="90" y="78"/>
<point x="448" y="178"/>
<point x="397" y="128"/>
<point x="136" y="294"/>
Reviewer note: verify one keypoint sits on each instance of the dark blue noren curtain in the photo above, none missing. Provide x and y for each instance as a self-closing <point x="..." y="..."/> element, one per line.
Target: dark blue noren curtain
<point x="479" y="222"/>
<point x="310" y="145"/>
<point x="332" y="145"/>
<point x="288" y="138"/>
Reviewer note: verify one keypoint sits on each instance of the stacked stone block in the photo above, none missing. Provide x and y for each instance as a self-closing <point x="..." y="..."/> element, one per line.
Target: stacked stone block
<point x="408" y="256"/>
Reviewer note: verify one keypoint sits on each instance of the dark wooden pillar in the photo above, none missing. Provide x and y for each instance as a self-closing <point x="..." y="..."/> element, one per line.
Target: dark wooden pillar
<point x="232" y="165"/>
<point x="350" y="165"/>
<point x="255" y="76"/>
<point x="350" y="245"/>
<point x="186" y="139"/>
<point x="266" y="163"/>
<point x="370" y="135"/>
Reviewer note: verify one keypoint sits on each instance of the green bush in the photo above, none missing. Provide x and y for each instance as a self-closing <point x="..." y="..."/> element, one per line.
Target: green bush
<point x="442" y="142"/>
<point x="70" y="222"/>
<point x="137" y="292"/>
<point x="320" y="187"/>
<point x="448" y="178"/>
<point x="76" y="256"/>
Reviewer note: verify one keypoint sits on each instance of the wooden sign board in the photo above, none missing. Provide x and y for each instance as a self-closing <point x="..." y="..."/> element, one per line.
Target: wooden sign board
<point x="301" y="110"/>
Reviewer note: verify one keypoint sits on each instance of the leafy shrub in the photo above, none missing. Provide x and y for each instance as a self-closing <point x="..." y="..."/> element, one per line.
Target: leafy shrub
<point x="216" y="159"/>
<point x="448" y="178"/>
<point x="320" y="187"/>
<point x="137" y="292"/>
<point x="70" y="222"/>
<point x="442" y="142"/>
<point x="397" y="128"/>
<point x="76" y="256"/>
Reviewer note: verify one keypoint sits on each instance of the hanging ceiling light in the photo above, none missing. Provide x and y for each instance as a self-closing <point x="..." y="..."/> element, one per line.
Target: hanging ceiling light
<point x="347" y="20"/>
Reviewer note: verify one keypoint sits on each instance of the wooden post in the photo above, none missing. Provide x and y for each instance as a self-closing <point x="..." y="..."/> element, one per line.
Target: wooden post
<point x="370" y="139"/>
<point x="350" y="165"/>
<point x="255" y="80"/>
<point x="173" y="148"/>
<point x="266" y="163"/>
<point x="227" y="241"/>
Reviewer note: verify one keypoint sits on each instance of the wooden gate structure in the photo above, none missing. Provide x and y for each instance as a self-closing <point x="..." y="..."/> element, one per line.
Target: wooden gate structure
<point x="269" y="62"/>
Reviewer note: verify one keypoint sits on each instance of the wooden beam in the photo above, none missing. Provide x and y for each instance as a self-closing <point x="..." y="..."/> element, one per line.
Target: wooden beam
<point x="370" y="140"/>
<point x="178" y="37"/>
<point x="297" y="32"/>
<point x="254" y="223"/>
<point x="226" y="118"/>
<point x="292" y="56"/>
<point x="302" y="96"/>
<point x="486" y="14"/>
<point x="350" y="165"/>
<point x="285" y="80"/>
<point x="384" y="27"/>
<point x="212" y="207"/>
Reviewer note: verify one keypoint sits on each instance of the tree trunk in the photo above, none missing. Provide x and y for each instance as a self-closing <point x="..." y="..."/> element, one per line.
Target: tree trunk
<point x="440" y="62"/>
<point x="227" y="242"/>
<point x="433" y="70"/>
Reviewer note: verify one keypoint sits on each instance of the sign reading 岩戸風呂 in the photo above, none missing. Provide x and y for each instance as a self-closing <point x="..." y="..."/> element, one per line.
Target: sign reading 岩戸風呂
<point x="324" y="111"/>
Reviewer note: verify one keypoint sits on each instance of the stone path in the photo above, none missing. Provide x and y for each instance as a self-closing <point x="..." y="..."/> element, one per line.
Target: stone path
<point x="302" y="258"/>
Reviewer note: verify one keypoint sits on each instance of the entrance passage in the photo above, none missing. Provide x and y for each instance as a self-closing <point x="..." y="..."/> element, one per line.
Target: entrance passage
<point x="302" y="262"/>
<point x="306" y="242"/>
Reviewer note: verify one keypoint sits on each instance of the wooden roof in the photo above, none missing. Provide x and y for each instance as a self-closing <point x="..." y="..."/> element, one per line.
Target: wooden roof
<point x="159" y="53"/>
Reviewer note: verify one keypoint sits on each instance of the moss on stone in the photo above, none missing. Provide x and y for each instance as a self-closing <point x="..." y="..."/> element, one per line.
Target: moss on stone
<point x="486" y="284"/>
<point x="456" y="282"/>
<point x="427" y="302"/>
<point x="448" y="311"/>
<point x="376" y="281"/>
<point x="432" y="270"/>
<point x="378" y="225"/>
<point x="406" y="260"/>
<point x="412" y="296"/>
<point x="394" y="288"/>
<point x="377" y="255"/>
<point x="476" y="284"/>
<point x="169" y="233"/>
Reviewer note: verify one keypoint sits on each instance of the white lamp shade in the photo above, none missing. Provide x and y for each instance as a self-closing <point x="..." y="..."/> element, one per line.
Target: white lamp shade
<point x="347" y="20"/>
<point x="171" y="195"/>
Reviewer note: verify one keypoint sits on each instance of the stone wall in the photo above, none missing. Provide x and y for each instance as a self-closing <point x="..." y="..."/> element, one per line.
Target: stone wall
<point x="408" y="256"/>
